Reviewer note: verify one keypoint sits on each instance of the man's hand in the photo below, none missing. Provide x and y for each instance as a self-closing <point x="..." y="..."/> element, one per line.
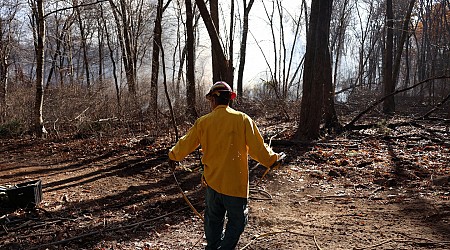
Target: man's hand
<point x="277" y="164"/>
<point x="172" y="164"/>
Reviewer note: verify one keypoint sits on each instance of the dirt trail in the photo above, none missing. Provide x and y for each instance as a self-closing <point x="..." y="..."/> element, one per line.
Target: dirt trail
<point x="355" y="192"/>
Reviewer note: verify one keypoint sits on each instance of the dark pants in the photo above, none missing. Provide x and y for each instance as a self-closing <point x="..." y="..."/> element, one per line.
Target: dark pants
<point x="236" y="210"/>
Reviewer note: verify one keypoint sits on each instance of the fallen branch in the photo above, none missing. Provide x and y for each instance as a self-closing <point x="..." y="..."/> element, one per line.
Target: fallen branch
<point x="425" y="116"/>
<point x="351" y="124"/>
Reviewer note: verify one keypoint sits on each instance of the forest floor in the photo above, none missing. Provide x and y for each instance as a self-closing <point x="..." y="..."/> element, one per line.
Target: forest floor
<point x="376" y="188"/>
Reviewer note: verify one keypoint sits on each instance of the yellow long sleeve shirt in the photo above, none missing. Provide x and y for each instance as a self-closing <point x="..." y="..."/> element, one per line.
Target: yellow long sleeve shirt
<point x="227" y="138"/>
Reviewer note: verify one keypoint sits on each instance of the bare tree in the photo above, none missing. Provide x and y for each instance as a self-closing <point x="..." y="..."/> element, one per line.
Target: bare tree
<point x="83" y="38"/>
<point x="9" y="9"/>
<point x="111" y="50"/>
<point x="157" y="46"/>
<point x="38" y="24"/>
<point x="225" y="69"/>
<point x="388" y="83"/>
<point x="60" y="34"/>
<point x="317" y="70"/>
<point x="129" y="21"/>
<point x="243" y="48"/>
<point x="190" y="62"/>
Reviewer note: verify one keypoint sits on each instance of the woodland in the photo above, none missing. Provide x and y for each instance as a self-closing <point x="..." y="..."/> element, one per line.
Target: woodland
<point x="93" y="93"/>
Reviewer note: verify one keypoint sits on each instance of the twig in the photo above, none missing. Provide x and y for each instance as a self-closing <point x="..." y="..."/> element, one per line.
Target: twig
<point x="78" y="116"/>
<point x="376" y="245"/>
<point x="315" y="242"/>
<point x="277" y="232"/>
<point x="186" y="199"/>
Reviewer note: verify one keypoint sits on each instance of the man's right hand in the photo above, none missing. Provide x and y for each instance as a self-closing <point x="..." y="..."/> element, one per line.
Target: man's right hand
<point x="279" y="161"/>
<point x="172" y="164"/>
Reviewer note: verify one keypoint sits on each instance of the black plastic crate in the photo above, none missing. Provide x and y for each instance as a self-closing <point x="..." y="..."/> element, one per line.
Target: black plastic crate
<point x="25" y="195"/>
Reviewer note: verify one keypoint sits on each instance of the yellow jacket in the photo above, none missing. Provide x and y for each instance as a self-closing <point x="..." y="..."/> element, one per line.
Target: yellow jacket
<point x="227" y="138"/>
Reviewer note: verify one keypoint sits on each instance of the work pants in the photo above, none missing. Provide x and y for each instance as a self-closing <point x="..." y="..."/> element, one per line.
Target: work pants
<point x="217" y="206"/>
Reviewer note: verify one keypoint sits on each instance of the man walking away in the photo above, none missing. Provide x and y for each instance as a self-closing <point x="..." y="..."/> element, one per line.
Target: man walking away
<point x="227" y="138"/>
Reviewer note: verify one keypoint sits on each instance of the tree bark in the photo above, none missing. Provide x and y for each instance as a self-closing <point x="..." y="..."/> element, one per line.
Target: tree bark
<point x="190" y="63"/>
<point x="155" y="60"/>
<point x="243" y="48"/>
<point x="5" y="50"/>
<point x="389" y="84"/>
<point x="39" y="42"/>
<point x="214" y="12"/>
<point x="225" y="68"/>
<point x="401" y="44"/>
<point x="314" y="75"/>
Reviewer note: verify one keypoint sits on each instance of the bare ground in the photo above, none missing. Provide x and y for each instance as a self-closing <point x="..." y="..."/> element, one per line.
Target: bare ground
<point x="363" y="190"/>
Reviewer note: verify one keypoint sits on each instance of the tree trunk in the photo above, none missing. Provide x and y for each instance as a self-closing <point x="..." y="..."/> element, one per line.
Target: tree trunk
<point x="389" y="85"/>
<point x="214" y="12"/>
<point x="39" y="41"/>
<point x="5" y="40"/>
<point x="243" y="48"/>
<point x="190" y="62"/>
<point x="225" y="68"/>
<point x="3" y="82"/>
<point x="67" y="24"/>
<point x="113" y="62"/>
<point x="127" y="43"/>
<point x="83" y="47"/>
<point x="330" y="117"/>
<point x="316" y="59"/>
<point x="155" y="60"/>
<point x="401" y="44"/>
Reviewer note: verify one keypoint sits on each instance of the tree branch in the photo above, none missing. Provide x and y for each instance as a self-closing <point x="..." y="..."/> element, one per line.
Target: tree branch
<point x="74" y="7"/>
<point x="352" y="123"/>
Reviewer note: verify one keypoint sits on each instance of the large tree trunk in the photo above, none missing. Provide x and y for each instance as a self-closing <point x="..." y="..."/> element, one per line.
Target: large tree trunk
<point x="389" y="84"/>
<point x="314" y="75"/>
<point x="39" y="41"/>
<point x="190" y="62"/>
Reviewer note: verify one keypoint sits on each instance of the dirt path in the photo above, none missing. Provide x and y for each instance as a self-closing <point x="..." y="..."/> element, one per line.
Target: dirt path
<point x="353" y="192"/>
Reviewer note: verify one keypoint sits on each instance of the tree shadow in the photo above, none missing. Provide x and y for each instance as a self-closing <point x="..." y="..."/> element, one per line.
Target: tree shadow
<point x="109" y="215"/>
<point x="407" y="175"/>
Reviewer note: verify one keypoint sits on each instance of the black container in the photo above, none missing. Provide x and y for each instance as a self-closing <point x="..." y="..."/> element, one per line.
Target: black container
<point x="25" y="195"/>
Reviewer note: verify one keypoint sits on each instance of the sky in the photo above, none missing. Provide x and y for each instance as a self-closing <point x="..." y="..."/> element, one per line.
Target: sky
<point x="260" y="41"/>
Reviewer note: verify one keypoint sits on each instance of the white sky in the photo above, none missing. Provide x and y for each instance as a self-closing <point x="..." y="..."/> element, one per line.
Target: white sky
<point x="256" y="66"/>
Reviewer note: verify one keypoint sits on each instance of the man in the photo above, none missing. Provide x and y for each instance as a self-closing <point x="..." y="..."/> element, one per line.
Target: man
<point x="227" y="137"/>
